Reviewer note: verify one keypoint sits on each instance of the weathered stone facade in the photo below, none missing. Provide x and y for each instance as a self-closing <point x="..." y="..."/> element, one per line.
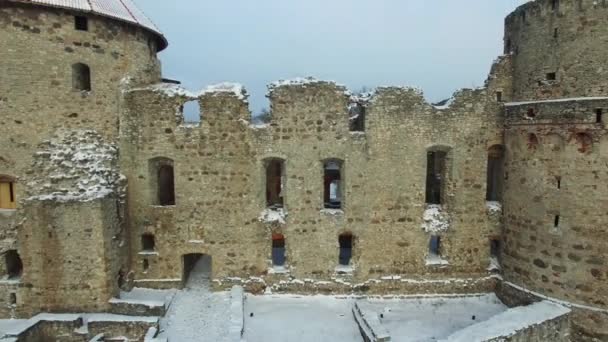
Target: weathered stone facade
<point x="543" y="105"/>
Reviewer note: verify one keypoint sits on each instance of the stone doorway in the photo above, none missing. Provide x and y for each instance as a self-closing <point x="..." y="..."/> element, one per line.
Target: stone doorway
<point x="196" y="270"/>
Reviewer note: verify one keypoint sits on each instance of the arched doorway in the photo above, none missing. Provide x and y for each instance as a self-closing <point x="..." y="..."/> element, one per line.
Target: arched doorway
<point x="196" y="270"/>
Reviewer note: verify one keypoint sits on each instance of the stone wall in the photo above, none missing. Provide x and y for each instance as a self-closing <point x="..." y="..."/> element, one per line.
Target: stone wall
<point x="566" y="41"/>
<point x="220" y="180"/>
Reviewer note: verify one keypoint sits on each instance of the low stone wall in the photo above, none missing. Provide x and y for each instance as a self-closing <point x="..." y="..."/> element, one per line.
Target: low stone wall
<point x="555" y="330"/>
<point x="369" y="325"/>
<point x="392" y="285"/>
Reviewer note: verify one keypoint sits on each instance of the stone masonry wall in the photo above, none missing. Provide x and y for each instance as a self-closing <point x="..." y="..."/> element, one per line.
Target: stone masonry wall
<point x="567" y="41"/>
<point x="220" y="182"/>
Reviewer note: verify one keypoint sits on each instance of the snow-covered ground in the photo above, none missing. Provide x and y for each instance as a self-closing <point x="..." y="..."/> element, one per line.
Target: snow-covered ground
<point x="196" y="313"/>
<point x="288" y="318"/>
<point x="431" y="319"/>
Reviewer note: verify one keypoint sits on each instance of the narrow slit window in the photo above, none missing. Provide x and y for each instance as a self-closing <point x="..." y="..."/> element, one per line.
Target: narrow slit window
<point x="7" y="194"/>
<point x="558" y="181"/>
<point x="346" y="249"/>
<point x="508" y="46"/>
<point x="162" y="181"/>
<point x="357" y="117"/>
<point x="13" y="298"/>
<point x="332" y="184"/>
<point x="555" y="33"/>
<point x="599" y="115"/>
<point x="14" y="266"/>
<point x="495" y="173"/>
<point x="81" y="23"/>
<point x="556" y="221"/>
<point x="275" y="178"/>
<point x="192" y="112"/>
<point x="145" y="265"/>
<point x="278" y="250"/>
<point x="81" y="77"/>
<point x="148" y="243"/>
<point x="435" y="246"/>
<point x="435" y="177"/>
<point x="495" y="248"/>
<point x="555" y="5"/>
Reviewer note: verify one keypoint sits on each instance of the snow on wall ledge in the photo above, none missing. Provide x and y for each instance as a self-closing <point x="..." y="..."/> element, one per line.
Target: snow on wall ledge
<point x="75" y="166"/>
<point x="435" y="219"/>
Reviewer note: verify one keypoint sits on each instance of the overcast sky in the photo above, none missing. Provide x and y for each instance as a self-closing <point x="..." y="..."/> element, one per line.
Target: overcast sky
<point x="437" y="45"/>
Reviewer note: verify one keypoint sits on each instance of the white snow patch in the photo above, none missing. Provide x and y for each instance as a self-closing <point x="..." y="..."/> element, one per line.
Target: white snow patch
<point x="147" y="297"/>
<point x="169" y="89"/>
<point x="436" y="260"/>
<point x="494" y="207"/>
<point x="435" y="219"/>
<point x="303" y="82"/>
<point x="233" y="89"/>
<point x="273" y="215"/>
<point x="332" y="212"/>
<point x="446" y="105"/>
<point x="509" y="322"/>
<point x="494" y="265"/>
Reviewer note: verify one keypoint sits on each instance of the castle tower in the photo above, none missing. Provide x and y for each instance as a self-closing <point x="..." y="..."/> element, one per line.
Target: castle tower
<point x="63" y="66"/>
<point x="556" y="192"/>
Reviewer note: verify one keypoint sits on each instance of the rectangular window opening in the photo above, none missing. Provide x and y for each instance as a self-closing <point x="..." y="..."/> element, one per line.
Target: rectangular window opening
<point x="551" y="76"/>
<point x="275" y="175"/>
<point x="554" y="5"/>
<point x="555" y="33"/>
<point x="435" y="177"/>
<point x="556" y="221"/>
<point x="191" y="112"/>
<point x="145" y="265"/>
<point x="494" y="248"/>
<point x="13" y="298"/>
<point x="495" y="174"/>
<point x="148" y="242"/>
<point x="558" y="181"/>
<point x="435" y="246"/>
<point x="346" y="249"/>
<point x="81" y="23"/>
<point x="499" y="96"/>
<point x="332" y="185"/>
<point x="357" y="117"/>
<point x="278" y="250"/>
<point x="599" y="115"/>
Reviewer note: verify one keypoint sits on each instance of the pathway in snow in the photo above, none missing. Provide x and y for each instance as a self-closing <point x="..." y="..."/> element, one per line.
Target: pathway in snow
<point x="196" y="313"/>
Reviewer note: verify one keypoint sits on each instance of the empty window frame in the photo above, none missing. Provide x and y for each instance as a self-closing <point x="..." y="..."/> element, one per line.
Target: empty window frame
<point x="599" y="115"/>
<point x="332" y="184"/>
<point x="7" y="193"/>
<point x="357" y="117"/>
<point x="436" y="176"/>
<point x="435" y="246"/>
<point x="551" y="76"/>
<point x="191" y="112"/>
<point x="162" y="177"/>
<point x="346" y="249"/>
<point x="81" y="23"/>
<point x="81" y="77"/>
<point x="278" y="250"/>
<point x="148" y="243"/>
<point x="13" y="264"/>
<point x="275" y="181"/>
<point x="495" y="173"/>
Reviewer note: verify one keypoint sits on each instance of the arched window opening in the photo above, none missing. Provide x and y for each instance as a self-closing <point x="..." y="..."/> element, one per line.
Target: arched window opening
<point x="346" y="249"/>
<point x="81" y="77"/>
<point x="8" y="199"/>
<point x="356" y="113"/>
<point x="162" y="181"/>
<point x="191" y="112"/>
<point x="148" y="243"/>
<point x="13" y="264"/>
<point x="495" y="173"/>
<point x="278" y="250"/>
<point x="275" y="182"/>
<point x="532" y="141"/>
<point x="436" y="175"/>
<point x="584" y="142"/>
<point x="332" y="184"/>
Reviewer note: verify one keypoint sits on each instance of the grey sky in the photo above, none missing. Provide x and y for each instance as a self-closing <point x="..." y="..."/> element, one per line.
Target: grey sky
<point x="437" y="45"/>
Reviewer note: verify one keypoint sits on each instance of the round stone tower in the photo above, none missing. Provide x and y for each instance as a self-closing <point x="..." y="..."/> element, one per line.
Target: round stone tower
<point x="62" y="65"/>
<point x="556" y="188"/>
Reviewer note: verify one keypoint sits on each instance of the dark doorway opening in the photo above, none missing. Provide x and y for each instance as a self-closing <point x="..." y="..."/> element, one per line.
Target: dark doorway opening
<point x="346" y="248"/>
<point x="278" y="250"/>
<point x="14" y="266"/>
<point x="166" y="185"/>
<point x="435" y="177"/>
<point x="196" y="270"/>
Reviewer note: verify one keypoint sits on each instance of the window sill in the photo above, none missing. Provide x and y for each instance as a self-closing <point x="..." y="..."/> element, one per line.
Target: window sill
<point x="163" y="206"/>
<point x="278" y="270"/>
<point x="148" y="253"/>
<point x="436" y="261"/>
<point x="332" y="212"/>
<point x="344" y="269"/>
